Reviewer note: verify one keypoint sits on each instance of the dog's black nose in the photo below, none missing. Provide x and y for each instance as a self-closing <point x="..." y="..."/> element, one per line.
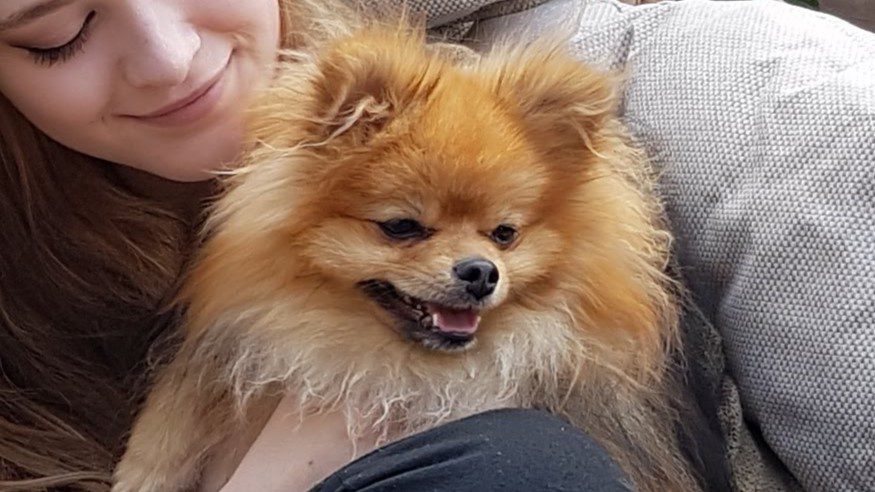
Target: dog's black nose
<point x="480" y="276"/>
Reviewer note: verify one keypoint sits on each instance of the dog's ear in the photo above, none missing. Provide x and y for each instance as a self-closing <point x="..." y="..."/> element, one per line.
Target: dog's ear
<point x="557" y="96"/>
<point x="365" y="81"/>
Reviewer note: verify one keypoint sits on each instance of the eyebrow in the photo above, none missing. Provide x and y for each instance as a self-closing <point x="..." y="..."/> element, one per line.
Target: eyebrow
<point x="31" y="13"/>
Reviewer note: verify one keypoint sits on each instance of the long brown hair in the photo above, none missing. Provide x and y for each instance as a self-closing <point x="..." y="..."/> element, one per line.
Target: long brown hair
<point x="87" y="266"/>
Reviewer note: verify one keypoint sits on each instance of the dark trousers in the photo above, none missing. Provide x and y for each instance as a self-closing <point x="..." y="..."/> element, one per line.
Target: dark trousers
<point x="502" y="450"/>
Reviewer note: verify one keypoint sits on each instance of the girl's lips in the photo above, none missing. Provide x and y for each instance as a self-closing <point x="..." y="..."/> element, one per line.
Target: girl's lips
<point x="192" y="108"/>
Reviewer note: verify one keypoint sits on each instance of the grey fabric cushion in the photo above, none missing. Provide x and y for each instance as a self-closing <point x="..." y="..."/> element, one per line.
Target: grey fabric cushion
<point x="437" y="12"/>
<point x="762" y="119"/>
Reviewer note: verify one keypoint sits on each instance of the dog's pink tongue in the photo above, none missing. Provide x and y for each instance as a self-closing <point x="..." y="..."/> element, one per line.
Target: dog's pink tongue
<point x="453" y="320"/>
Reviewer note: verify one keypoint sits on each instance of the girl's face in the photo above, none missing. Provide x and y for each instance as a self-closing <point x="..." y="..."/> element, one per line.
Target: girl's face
<point x="158" y="85"/>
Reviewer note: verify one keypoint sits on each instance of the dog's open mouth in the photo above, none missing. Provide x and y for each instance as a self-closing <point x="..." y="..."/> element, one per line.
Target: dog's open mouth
<point x="433" y="325"/>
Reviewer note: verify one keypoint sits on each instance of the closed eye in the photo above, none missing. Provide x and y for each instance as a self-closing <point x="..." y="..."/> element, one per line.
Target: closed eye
<point x="58" y="54"/>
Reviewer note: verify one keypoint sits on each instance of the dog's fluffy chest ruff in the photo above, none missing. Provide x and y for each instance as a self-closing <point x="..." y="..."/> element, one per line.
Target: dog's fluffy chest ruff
<point x="400" y="388"/>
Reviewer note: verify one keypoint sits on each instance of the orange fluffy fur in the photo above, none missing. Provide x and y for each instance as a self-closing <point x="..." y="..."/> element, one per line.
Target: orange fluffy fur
<point x="376" y="126"/>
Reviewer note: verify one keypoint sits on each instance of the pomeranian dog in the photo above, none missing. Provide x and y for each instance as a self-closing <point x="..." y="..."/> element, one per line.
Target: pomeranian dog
<point x="413" y="239"/>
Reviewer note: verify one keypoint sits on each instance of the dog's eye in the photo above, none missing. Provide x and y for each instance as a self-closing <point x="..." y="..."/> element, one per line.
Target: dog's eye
<point x="403" y="229"/>
<point x="504" y="235"/>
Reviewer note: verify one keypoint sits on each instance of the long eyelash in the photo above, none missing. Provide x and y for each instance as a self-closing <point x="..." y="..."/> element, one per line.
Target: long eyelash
<point x="60" y="54"/>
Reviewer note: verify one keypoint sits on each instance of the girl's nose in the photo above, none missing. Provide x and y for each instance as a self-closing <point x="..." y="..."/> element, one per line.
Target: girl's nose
<point x="163" y="46"/>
